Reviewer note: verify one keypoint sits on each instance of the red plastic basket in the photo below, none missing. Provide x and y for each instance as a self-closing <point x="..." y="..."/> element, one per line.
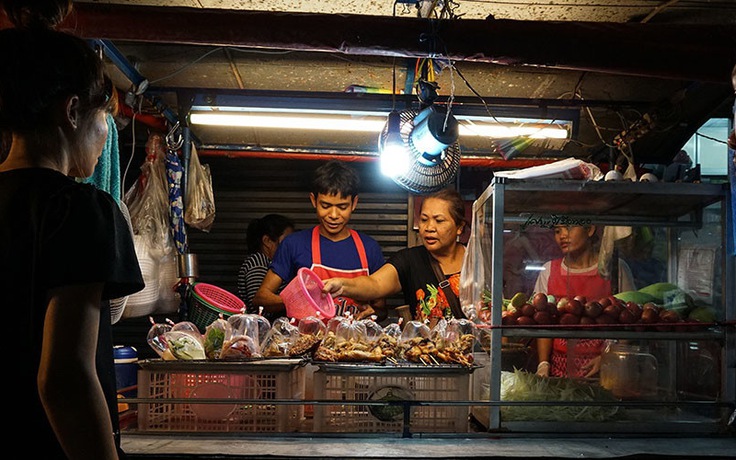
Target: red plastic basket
<point x="303" y="296"/>
<point x="219" y="298"/>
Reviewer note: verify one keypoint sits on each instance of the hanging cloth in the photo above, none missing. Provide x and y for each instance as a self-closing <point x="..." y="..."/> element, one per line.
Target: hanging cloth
<point x="174" y="174"/>
<point x="106" y="175"/>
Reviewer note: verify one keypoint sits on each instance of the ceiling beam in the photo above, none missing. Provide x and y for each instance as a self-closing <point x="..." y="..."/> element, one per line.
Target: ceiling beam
<point x="702" y="52"/>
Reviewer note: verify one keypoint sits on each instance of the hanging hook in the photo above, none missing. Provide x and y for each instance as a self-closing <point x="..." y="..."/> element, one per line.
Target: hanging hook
<point x="174" y="138"/>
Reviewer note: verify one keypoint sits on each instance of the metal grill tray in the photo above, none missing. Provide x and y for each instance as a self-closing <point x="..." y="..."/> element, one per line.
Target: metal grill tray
<point x="394" y="369"/>
<point x="208" y="365"/>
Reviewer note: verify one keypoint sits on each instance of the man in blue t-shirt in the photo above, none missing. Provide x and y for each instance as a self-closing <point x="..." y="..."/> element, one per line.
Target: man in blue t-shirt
<point x="330" y="249"/>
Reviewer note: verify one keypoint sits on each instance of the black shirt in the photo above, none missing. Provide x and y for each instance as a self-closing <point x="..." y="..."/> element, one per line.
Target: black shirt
<point x="56" y="232"/>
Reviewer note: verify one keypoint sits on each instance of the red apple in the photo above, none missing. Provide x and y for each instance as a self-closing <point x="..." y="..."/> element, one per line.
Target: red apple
<point x="525" y="321"/>
<point x="626" y="317"/>
<point x="650" y="305"/>
<point x="539" y="300"/>
<point x="542" y="317"/>
<point x="509" y="317"/>
<point x="576" y="308"/>
<point x="593" y="309"/>
<point x="669" y="316"/>
<point x="562" y="305"/>
<point x="581" y="298"/>
<point x="605" y="301"/>
<point x="606" y="319"/>
<point x="528" y="310"/>
<point x="635" y="310"/>
<point x="612" y="310"/>
<point x="587" y="320"/>
<point x="649" y="316"/>
<point x="569" y="318"/>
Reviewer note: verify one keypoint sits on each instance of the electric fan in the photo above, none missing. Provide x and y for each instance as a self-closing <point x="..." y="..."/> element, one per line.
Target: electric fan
<point x="419" y="149"/>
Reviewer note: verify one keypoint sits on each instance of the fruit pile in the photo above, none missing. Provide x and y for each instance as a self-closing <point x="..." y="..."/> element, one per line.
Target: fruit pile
<point x="543" y="309"/>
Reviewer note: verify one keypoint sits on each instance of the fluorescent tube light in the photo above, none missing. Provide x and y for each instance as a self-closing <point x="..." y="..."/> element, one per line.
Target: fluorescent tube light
<point x="312" y="122"/>
<point x="372" y="122"/>
<point x="534" y="268"/>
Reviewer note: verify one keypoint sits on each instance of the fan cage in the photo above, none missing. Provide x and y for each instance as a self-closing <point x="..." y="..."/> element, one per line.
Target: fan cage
<point x="422" y="179"/>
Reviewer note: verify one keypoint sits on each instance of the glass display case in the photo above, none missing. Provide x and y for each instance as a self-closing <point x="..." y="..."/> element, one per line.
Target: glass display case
<point x="673" y="372"/>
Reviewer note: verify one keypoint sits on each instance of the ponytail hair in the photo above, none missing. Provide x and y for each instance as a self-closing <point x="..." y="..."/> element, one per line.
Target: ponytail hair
<point x="271" y="225"/>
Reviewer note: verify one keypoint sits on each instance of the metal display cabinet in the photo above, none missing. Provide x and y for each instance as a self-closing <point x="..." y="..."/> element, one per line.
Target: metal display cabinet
<point x="681" y="211"/>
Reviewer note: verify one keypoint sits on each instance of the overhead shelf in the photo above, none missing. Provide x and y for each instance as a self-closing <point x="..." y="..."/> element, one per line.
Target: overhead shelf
<point x="659" y="201"/>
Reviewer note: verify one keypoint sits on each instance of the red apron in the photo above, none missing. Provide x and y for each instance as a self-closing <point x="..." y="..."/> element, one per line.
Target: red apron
<point x="343" y="305"/>
<point x="593" y="287"/>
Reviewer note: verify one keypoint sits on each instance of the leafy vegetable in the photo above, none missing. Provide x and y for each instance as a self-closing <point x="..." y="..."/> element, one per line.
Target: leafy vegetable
<point x="184" y="346"/>
<point x="213" y="340"/>
<point x="524" y="386"/>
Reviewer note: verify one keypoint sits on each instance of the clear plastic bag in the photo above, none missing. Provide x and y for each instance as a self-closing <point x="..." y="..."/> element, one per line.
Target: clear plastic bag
<point x="239" y="347"/>
<point x="475" y="275"/>
<point x="311" y="325"/>
<point x="185" y="345"/>
<point x="244" y="324"/>
<point x="373" y="329"/>
<point x="280" y="338"/>
<point x="148" y="200"/>
<point x="157" y="340"/>
<point x="214" y="337"/>
<point x="199" y="198"/>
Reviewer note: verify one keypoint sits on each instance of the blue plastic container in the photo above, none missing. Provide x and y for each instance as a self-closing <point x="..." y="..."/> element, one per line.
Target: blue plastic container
<point x="126" y="369"/>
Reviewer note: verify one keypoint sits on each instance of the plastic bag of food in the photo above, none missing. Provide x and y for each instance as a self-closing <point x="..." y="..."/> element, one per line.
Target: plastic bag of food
<point x="372" y="328"/>
<point x="199" y="199"/>
<point x="304" y="344"/>
<point x="312" y="325"/>
<point x="157" y="340"/>
<point x="244" y="324"/>
<point x="415" y="329"/>
<point x="437" y="333"/>
<point x="214" y="337"/>
<point x="334" y="322"/>
<point x="457" y="328"/>
<point x="264" y="325"/>
<point x="279" y="339"/>
<point x="239" y="347"/>
<point x="459" y="341"/>
<point x="393" y="330"/>
<point x="186" y="326"/>
<point x="185" y="345"/>
<point x="352" y="332"/>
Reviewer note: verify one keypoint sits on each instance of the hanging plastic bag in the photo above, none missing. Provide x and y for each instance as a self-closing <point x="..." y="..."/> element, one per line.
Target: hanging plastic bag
<point x="475" y="276"/>
<point x="148" y="201"/>
<point x="199" y="198"/>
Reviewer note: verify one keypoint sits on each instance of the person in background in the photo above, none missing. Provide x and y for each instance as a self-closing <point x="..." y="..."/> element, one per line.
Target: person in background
<point x="262" y="239"/>
<point x="65" y="246"/>
<point x="575" y="274"/>
<point x="329" y="249"/>
<point x="441" y="222"/>
<point x="638" y="251"/>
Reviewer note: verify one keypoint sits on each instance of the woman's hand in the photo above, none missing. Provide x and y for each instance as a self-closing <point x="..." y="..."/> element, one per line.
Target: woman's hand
<point x="334" y="286"/>
<point x="543" y="369"/>
<point x="593" y="366"/>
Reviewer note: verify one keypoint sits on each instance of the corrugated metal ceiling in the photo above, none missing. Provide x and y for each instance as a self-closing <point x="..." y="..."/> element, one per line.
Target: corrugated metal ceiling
<point x="311" y="50"/>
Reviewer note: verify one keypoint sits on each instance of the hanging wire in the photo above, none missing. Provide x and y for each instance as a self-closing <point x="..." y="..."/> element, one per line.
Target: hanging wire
<point x="132" y="149"/>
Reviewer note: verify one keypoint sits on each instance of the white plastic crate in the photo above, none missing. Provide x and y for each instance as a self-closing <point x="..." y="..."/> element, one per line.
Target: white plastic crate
<point x="373" y="383"/>
<point x="263" y="380"/>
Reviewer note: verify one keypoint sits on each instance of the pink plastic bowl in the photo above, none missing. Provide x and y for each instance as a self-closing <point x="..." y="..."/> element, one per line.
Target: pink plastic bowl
<point x="303" y="296"/>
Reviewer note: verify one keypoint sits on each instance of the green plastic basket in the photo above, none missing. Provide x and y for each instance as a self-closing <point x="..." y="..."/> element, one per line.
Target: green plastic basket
<point x="203" y="312"/>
